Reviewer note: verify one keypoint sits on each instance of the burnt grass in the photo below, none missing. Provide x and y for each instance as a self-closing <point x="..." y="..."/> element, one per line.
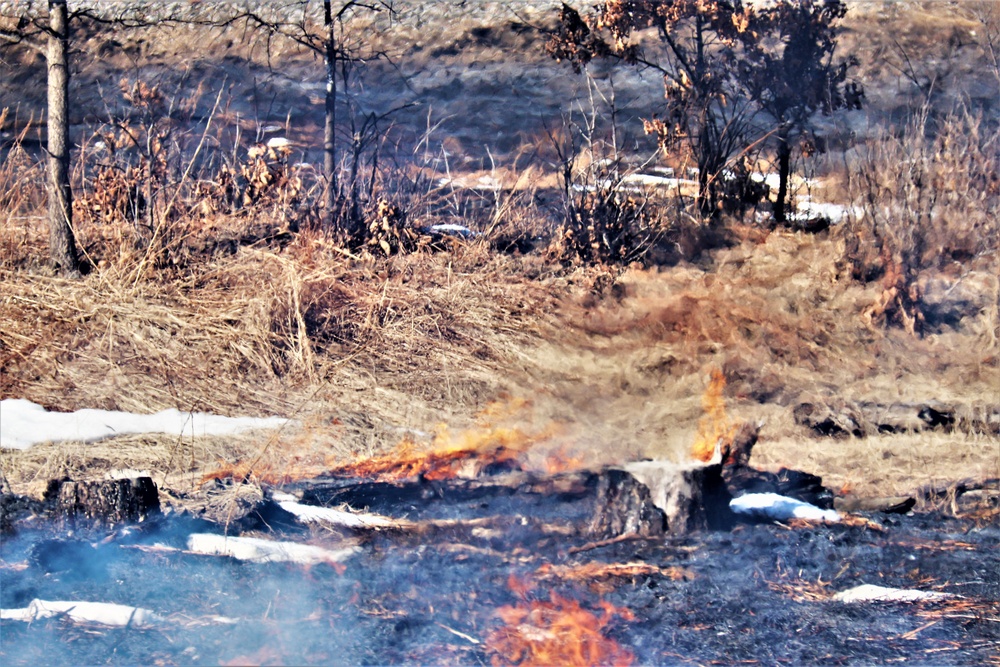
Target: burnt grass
<point x="405" y="596"/>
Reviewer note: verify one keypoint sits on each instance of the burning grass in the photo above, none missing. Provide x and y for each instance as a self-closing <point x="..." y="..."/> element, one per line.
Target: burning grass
<point x="557" y="631"/>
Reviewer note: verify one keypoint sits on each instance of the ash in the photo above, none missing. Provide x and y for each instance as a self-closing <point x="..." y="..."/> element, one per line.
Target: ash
<point x="760" y="592"/>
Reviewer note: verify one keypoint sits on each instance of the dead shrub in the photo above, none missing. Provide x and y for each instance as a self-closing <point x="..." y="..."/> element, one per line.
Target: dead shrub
<point x="607" y="226"/>
<point x="928" y="197"/>
<point x="388" y="234"/>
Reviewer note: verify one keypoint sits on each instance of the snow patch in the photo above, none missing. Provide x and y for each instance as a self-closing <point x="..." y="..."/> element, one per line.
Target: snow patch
<point x="873" y="593"/>
<point x="23" y="424"/>
<point x="780" y="508"/>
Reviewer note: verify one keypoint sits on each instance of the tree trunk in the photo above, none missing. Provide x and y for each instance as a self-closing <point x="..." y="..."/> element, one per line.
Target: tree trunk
<point x="706" y="202"/>
<point x="784" y="166"/>
<point x="330" y="120"/>
<point x="62" y="244"/>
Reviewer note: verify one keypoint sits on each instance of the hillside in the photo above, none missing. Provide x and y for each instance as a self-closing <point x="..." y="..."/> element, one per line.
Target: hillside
<point x="248" y="313"/>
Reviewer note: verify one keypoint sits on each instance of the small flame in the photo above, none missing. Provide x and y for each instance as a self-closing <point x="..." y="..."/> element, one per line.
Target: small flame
<point x="557" y="631"/>
<point x="561" y="460"/>
<point x="714" y="429"/>
<point x="449" y="456"/>
<point x="463" y="454"/>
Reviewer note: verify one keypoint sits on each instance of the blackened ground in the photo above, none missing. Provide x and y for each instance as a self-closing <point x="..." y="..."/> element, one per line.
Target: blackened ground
<point x="755" y="593"/>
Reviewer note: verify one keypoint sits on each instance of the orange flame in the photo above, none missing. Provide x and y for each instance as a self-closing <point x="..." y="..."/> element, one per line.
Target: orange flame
<point x="561" y="460"/>
<point x="558" y="631"/>
<point x="714" y="428"/>
<point x="463" y="454"/>
<point x="448" y="458"/>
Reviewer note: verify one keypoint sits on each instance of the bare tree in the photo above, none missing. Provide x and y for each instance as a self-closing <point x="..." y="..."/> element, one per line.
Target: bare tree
<point x="339" y="49"/>
<point x="49" y="33"/>
<point x="723" y="62"/>
<point x="788" y="70"/>
<point x="51" y="38"/>
<point x="697" y="46"/>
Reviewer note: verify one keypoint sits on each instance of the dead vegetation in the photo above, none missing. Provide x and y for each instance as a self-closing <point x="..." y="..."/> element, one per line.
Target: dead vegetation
<point x="212" y="289"/>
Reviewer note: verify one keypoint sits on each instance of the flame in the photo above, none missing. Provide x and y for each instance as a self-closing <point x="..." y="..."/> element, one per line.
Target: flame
<point x="557" y="631"/>
<point x="714" y="429"/>
<point x="278" y="462"/>
<point x="561" y="460"/>
<point x="449" y="456"/>
<point x="463" y="454"/>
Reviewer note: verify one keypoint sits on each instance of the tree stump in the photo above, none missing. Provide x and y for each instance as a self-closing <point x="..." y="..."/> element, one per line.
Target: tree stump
<point x="692" y="496"/>
<point x="104" y="502"/>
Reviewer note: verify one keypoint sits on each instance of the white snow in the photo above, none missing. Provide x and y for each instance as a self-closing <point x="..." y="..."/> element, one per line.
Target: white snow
<point x="23" y="424"/>
<point x="651" y="180"/>
<point x="257" y="550"/>
<point x="314" y="514"/>
<point x="780" y="508"/>
<point x="872" y="593"/>
<point x="835" y="213"/>
<point x="770" y="180"/>
<point x="451" y="229"/>
<point x="99" y="613"/>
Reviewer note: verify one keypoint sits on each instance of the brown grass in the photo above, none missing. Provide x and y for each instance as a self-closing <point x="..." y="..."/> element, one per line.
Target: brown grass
<point x="367" y="352"/>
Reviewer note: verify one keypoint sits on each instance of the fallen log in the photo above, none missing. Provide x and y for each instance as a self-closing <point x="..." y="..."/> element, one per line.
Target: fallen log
<point x="866" y="418"/>
<point x="257" y="550"/>
<point x="89" y="613"/>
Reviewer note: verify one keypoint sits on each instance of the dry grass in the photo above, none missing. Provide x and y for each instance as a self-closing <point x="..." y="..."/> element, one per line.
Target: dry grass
<point x="366" y="352"/>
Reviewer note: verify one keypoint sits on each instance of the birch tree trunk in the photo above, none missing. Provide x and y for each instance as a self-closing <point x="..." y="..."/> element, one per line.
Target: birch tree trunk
<point x="330" y="119"/>
<point x="62" y="243"/>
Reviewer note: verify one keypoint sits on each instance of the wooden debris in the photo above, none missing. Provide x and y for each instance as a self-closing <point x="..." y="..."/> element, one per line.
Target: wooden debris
<point x="865" y="418"/>
<point x="95" y="613"/>
<point x="888" y="504"/>
<point x="872" y="593"/>
<point x="338" y="517"/>
<point x="587" y="572"/>
<point x="257" y="550"/>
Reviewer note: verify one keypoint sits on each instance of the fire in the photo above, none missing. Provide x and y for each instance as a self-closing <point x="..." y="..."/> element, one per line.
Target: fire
<point x="463" y="454"/>
<point x="449" y="456"/>
<point x="561" y="460"/>
<point x="714" y="429"/>
<point x="557" y="631"/>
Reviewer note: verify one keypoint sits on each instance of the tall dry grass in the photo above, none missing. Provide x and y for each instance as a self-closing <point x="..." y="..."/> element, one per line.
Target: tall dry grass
<point x="928" y="199"/>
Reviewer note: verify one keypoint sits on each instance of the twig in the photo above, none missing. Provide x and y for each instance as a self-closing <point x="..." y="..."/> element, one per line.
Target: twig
<point x="913" y="633"/>
<point x="605" y="543"/>
<point x="468" y="638"/>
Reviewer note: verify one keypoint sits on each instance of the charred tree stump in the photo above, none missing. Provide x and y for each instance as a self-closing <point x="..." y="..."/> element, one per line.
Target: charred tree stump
<point x="692" y="496"/>
<point x="105" y="502"/>
<point x="646" y="499"/>
<point x="624" y="506"/>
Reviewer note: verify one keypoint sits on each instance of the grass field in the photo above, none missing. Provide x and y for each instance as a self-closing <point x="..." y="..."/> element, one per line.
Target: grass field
<point x="598" y="363"/>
